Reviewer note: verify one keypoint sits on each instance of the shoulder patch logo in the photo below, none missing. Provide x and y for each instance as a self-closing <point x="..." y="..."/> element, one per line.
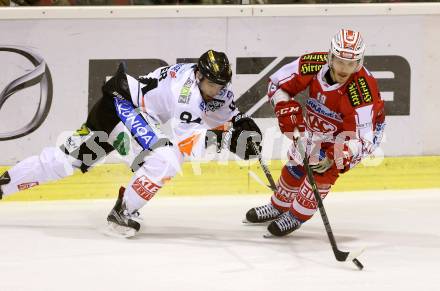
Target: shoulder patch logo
<point x="353" y="94"/>
<point x="359" y="92"/>
<point x="185" y="92"/>
<point x="311" y="63"/>
<point x="365" y="90"/>
<point x="316" y="57"/>
<point x="308" y="69"/>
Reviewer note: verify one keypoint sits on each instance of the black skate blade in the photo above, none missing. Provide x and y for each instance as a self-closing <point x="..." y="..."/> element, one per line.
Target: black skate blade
<point x="248" y="223"/>
<point x="272" y="236"/>
<point x="269" y="235"/>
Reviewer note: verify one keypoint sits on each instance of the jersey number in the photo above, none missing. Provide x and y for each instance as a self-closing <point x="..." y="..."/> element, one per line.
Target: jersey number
<point x="186" y="117"/>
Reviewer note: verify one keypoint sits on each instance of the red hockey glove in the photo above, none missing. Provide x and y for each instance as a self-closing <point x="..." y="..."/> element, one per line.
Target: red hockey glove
<point x="341" y="155"/>
<point x="289" y="114"/>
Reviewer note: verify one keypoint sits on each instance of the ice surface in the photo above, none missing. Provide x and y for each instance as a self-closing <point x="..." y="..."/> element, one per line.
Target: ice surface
<point x="199" y="243"/>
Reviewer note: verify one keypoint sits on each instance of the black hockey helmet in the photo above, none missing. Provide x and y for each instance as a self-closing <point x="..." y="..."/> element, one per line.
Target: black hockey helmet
<point x="215" y="67"/>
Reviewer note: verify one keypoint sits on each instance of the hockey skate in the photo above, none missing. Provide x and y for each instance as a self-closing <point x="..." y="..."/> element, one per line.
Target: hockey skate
<point x="283" y="225"/>
<point x="121" y="223"/>
<point x="4" y="179"/>
<point x="262" y="214"/>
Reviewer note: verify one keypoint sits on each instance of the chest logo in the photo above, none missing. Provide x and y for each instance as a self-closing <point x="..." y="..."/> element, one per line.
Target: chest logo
<point x="319" y="124"/>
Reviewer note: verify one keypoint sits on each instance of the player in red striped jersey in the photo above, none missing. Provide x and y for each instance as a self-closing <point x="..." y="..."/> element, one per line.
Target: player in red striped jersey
<point x="343" y="122"/>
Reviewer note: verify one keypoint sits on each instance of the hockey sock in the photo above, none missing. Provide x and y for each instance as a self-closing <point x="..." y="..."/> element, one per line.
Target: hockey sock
<point x="159" y="167"/>
<point x="305" y="205"/>
<point x="287" y="187"/>
<point x="139" y="191"/>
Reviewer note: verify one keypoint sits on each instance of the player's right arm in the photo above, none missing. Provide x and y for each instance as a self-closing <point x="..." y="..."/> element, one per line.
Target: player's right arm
<point x="284" y="84"/>
<point x="363" y="122"/>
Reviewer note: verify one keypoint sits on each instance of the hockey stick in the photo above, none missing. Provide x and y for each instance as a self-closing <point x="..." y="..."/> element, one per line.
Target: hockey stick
<point x="340" y="255"/>
<point x="258" y="179"/>
<point x="265" y="168"/>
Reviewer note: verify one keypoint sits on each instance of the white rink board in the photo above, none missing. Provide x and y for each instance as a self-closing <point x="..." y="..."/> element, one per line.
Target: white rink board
<point x="199" y="244"/>
<point x="67" y="45"/>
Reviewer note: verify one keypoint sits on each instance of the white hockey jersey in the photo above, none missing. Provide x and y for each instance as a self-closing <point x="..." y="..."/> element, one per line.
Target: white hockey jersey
<point x="171" y="95"/>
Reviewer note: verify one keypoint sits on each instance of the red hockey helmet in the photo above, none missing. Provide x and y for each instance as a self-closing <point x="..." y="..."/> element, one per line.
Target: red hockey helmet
<point x="348" y="44"/>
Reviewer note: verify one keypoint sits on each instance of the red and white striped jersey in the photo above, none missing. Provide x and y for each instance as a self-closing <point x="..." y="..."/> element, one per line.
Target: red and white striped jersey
<point x="338" y="112"/>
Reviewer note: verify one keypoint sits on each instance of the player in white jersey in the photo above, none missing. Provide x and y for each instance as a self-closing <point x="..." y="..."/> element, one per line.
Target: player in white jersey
<point x="191" y="98"/>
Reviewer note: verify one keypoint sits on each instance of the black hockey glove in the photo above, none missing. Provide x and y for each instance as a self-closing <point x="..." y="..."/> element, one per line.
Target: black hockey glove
<point x="241" y="135"/>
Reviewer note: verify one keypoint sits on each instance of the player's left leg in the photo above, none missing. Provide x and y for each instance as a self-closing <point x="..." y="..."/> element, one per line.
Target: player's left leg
<point x="50" y="165"/>
<point x="160" y="166"/>
<point x="287" y="188"/>
<point x="304" y="205"/>
<point x="82" y="150"/>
